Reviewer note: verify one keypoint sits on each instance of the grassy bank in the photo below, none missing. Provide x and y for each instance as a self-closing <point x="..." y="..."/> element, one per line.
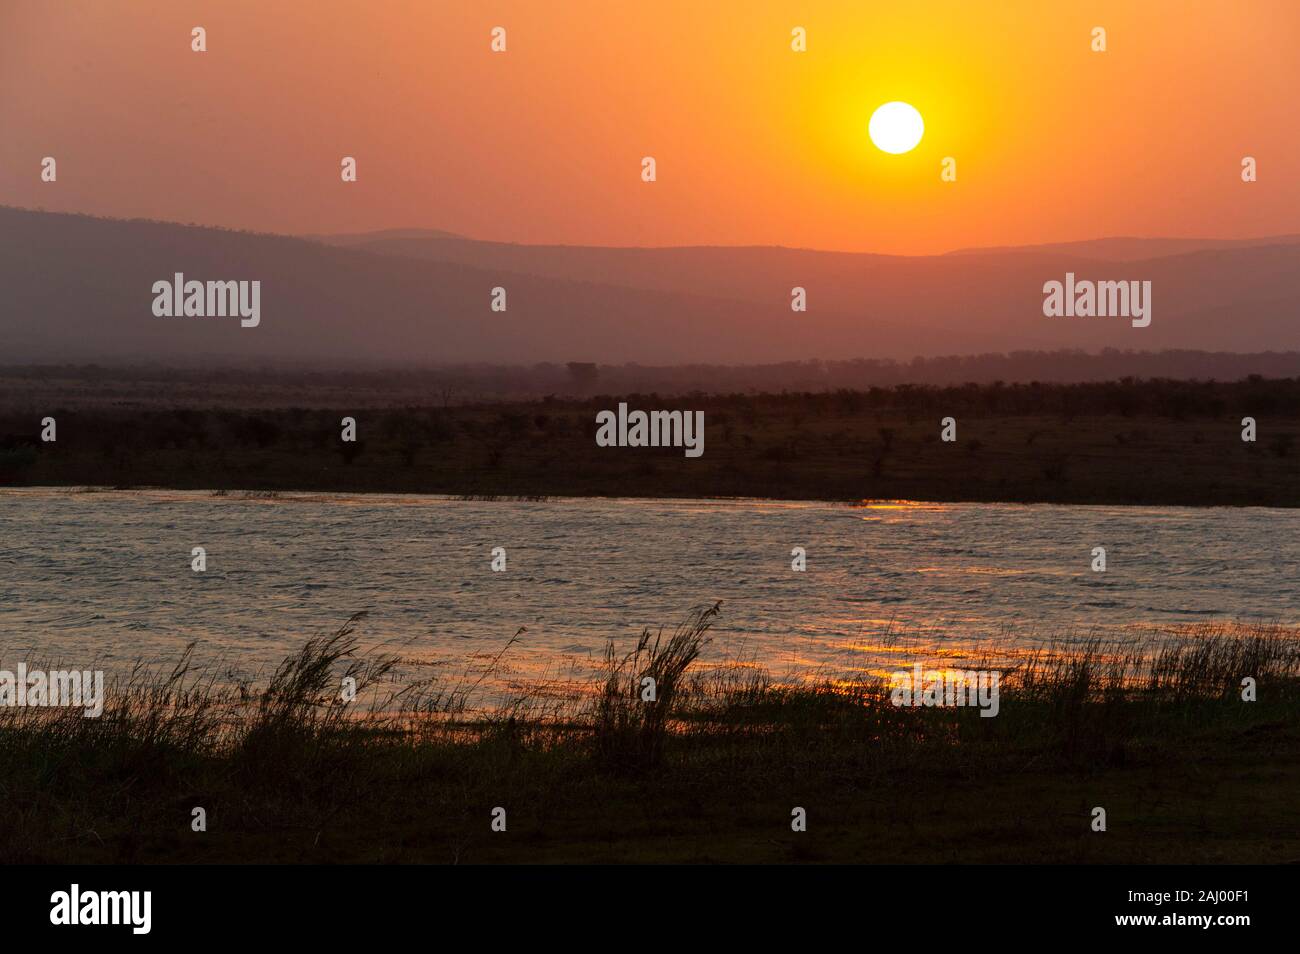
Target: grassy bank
<point x="1130" y="442"/>
<point x="1186" y="770"/>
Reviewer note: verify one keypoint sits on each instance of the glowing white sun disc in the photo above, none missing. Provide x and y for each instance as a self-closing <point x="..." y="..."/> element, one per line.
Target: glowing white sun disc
<point x="896" y="128"/>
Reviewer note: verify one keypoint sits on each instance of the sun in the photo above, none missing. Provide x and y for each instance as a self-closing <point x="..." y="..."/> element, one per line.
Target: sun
<point x="896" y="128"/>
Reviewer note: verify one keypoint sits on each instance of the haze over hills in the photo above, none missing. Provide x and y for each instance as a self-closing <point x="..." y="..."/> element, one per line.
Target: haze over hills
<point x="78" y="288"/>
<point x="1115" y="248"/>
<point x="1128" y="248"/>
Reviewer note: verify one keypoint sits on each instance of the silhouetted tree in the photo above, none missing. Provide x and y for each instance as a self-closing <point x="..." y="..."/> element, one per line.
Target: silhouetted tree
<point x="583" y="374"/>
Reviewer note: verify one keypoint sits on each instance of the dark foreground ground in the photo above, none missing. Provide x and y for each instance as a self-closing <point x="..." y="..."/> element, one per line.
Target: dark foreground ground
<point x="1126" y="442"/>
<point x="1185" y="769"/>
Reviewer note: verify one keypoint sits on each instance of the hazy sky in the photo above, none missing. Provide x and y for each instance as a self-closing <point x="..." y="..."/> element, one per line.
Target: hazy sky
<point x="755" y="144"/>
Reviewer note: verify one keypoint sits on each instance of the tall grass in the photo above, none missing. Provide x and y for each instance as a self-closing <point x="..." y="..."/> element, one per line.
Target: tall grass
<point x="305" y="717"/>
<point x="295" y="756"/>
<point x="631" y="715"/>
<point x="199" y="711"/>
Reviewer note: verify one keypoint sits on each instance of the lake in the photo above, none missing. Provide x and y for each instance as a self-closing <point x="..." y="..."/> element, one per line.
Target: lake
<point x="104" y="577"/>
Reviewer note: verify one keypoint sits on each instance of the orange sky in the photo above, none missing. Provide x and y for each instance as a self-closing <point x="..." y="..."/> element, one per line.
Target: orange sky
<point x="755" y="144"/>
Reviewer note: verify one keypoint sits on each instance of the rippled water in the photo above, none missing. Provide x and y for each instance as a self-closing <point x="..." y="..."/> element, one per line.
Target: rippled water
<point x="106" y="577"/>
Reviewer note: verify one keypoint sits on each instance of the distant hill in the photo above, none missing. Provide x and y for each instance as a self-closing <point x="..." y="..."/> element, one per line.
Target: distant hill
<point x="1130" y="249"/>
<point x="79" y="288"/>
<point x="361" y="238"/>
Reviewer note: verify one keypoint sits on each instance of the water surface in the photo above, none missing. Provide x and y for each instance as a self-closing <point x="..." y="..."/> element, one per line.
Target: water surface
<point x="105" y="577"/>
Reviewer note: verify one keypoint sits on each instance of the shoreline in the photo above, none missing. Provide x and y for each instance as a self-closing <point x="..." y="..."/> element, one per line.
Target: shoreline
<point x="261" y="495"/>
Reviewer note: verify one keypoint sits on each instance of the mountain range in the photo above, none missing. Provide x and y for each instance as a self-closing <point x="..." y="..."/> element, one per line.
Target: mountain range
<point x="78" y="288"/>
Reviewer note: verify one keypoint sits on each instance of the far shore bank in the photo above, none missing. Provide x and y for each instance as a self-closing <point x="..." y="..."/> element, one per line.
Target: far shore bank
<point x="1140" y="443"/>
<point x="1155" y="442"/>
